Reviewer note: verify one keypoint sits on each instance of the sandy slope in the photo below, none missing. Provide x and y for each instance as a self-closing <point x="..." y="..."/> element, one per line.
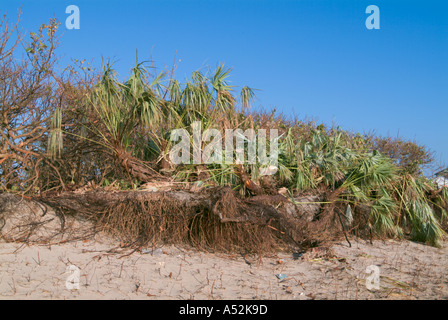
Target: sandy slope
<point x="407" y="271"/>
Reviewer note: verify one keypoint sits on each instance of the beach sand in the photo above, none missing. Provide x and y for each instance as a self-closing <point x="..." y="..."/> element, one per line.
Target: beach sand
<point x="407" y="270"/>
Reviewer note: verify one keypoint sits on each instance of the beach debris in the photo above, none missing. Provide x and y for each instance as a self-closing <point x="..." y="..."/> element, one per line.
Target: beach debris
<point x="348" y="216"/>
<point x="157" y="186"/>
<point x="281" y="276"/>
<point x="297" y="255"/>
<point x="288" y="289"/>
<point x="154" y="252"/>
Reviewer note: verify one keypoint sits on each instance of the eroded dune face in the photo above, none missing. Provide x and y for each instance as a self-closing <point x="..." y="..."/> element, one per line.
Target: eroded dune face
<point x="214" y="217"/>
<point x="27" y="220"/>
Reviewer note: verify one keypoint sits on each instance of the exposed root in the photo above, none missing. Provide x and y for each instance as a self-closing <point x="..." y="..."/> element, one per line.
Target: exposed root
<point x="215" y="219"/>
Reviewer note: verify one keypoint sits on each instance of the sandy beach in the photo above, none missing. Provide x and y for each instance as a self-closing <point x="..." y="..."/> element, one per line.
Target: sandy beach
<point x="407" y="270"/>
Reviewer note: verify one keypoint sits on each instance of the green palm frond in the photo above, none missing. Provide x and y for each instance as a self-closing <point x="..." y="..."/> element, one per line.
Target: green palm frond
<point x="247" y="97"/>
<point x="218" y="79"/>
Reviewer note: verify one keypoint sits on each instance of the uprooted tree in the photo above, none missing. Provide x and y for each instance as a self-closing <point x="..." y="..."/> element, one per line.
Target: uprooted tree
<point x="82" y="143"/>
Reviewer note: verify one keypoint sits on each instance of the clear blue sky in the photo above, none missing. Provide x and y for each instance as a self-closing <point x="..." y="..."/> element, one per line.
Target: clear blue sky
<point x="312" y="58"/>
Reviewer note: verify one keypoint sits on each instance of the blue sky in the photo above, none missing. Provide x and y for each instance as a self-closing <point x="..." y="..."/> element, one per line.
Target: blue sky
<point x="314" y="59"/>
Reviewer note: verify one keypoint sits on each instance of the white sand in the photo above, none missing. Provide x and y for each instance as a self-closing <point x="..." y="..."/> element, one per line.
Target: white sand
<point x="407" y="271"/>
